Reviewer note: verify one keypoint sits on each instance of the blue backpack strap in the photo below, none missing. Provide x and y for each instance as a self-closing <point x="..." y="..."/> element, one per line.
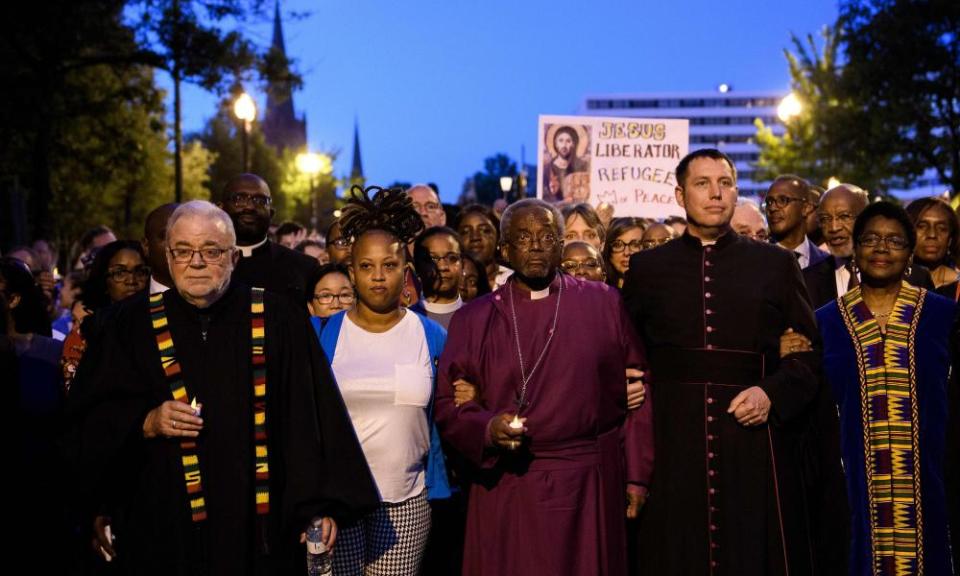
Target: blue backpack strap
<point x="329" y="333"/>
<point x="438" y="485"/>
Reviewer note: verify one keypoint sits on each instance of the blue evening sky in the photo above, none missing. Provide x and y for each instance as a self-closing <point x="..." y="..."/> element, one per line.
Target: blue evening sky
<point x="437" y="86"/>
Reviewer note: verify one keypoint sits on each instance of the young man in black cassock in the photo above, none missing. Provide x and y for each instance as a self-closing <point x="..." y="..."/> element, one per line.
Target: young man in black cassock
<point x="726" y="495"/>
<point x="227" y="486"/>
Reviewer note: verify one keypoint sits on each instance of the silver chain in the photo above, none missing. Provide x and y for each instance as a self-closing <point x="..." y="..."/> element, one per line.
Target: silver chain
<point x="524" y="377"/>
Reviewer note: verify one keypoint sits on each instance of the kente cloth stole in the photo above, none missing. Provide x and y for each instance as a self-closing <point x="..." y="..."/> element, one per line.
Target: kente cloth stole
<point x="888" y="402"/>
<point x="178" y="389"/>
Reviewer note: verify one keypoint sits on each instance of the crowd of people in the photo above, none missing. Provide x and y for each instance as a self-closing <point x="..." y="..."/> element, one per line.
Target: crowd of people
<point x="753" y="389"/>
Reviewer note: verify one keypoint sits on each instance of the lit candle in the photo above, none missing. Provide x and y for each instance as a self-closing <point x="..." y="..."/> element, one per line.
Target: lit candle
<point x="196" y="409"/>
<point x="516" y="424"/>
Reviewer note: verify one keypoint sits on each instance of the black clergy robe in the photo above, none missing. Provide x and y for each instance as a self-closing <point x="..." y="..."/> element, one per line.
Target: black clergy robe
<point x="280" y="270"/>
<point x="725" y="499"/>
<point x="316" y="465"/>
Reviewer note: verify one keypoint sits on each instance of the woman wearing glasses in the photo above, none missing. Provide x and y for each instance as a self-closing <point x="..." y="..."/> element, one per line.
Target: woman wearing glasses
<point x="332" y="292"/>
<point x="886" y="348"/>
<point x="438" y="259"/>
<point x="383" y="358"/>
<point x="119" y="270"/>
<point x="624" y="239"/>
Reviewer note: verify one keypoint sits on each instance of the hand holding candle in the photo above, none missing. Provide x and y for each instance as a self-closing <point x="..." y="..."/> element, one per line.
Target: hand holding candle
<point x="507" y="430"/>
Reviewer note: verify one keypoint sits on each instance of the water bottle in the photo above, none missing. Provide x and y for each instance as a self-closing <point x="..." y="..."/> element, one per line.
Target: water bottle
<point x="318" y="557"/>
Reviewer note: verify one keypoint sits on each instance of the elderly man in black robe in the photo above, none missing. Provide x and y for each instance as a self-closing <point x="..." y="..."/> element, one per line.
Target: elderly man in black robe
<point x="215" y="433"/>
<point x="726" y="496"/>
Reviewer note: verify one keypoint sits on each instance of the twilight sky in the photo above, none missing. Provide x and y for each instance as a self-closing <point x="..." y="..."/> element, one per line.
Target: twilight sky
<point x="437" y="86"/>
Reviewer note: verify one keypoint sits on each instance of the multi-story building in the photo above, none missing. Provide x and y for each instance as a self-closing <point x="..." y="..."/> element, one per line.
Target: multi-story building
<point x="722" y="119"/>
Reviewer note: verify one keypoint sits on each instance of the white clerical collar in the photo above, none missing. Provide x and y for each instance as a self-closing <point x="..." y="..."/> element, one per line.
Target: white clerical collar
<point x="156" y="287"/>
<point x="447" y="308"/>
<point x="707" y="242"/>
<point x="539" y="294"/>
<point x="247" y="251"/>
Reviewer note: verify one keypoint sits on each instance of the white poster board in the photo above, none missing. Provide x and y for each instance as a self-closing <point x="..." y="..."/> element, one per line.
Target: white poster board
<point x="628" y="163"/>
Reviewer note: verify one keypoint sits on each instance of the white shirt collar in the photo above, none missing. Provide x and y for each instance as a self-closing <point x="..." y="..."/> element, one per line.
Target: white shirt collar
<point x="247" y="251"/>
<point x="438" y="308"/>
<point x="803" y="250"/>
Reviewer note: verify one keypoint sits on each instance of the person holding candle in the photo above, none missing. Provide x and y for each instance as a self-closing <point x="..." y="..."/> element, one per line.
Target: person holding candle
<point x="229" y="489"/>
<point x="559" y="459"/>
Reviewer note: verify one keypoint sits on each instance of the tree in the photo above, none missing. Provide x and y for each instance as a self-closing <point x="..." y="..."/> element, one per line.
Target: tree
<point x="185" y="38"/>
<point x="904" y="61"/>
<point x="831" y="136"/>
<point x="487" y="183"/>
<point x="881" y="101"/>
<point x="45" y="50"/>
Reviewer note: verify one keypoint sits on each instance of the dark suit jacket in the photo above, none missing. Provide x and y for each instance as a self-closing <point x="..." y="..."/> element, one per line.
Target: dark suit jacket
<point x="280" y="270"/>
<point x="821" y="280"/>
<point x="816" y="255"/>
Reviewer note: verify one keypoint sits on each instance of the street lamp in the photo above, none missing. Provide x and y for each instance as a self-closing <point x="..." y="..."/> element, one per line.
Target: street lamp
<point x="506" y="184"/>
<point x="790" y="107"/>
<point x="245" y="109"/>
<point x="311" y="164"/>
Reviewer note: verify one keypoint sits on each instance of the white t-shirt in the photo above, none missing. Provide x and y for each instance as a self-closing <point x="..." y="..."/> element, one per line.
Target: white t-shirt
<point x="386" y="380"/>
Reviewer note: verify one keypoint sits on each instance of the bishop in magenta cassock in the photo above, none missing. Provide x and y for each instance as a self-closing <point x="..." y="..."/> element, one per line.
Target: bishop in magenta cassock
<point x="548" y="497"/>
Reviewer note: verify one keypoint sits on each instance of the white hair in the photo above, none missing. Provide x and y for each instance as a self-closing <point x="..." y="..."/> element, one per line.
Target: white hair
<point x="208" y="211"/>
<point x="530" y="203"/>
<point x="751" y="203"/>
<point x="425" y="187"/>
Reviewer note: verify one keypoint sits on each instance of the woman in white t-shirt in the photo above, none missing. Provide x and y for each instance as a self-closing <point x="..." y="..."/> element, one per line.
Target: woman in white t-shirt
<point x="383" y="357"/>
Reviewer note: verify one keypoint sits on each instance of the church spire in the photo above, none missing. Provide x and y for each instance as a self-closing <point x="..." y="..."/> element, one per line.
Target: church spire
<point x="281" y="127"/>
<point x="278" y="30"/>
<point x="357" y="171"/>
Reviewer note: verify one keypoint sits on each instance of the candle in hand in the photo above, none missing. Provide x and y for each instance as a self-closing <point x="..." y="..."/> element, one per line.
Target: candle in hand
<point x="516" y="424"/>
<point x="196" y="409"/>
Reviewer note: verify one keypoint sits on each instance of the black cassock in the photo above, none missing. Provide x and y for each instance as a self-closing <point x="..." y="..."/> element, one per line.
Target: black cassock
<point x="316" y="465"/>
<point x="280" y="270"/>
<point x="725" y="499"/>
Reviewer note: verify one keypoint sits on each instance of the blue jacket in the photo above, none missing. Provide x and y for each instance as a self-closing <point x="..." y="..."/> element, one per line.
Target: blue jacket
<point x="438" y="487"/>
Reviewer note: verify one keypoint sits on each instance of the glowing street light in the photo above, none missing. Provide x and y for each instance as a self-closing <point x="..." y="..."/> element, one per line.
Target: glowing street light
<point x="790" y="107"/>
<point x="506" y="184"/>
<point x="245" y="109"/>
<point x="311" y="164"/>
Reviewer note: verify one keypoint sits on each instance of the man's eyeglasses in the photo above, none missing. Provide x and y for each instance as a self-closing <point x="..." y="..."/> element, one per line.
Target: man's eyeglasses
<point x="620" y="245"/>
<point x="891" y="242"/>
<point x="451" y="258"/>
<point x="126" y="274"/>
<point x="241" y="199"/>
<point x="780" y="201"/>
<point x="209" y="255"/>
<point x="427" y="207"/>
<point x="342" y="242"/>
<point x="842" y="219"/>
<point x="526" y="240"/>
<point x="328" y="297"/>
<point x="572" y="266"/>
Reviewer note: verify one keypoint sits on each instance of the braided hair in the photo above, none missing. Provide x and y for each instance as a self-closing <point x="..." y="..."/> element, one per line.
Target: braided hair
<point x="386" y="209"/>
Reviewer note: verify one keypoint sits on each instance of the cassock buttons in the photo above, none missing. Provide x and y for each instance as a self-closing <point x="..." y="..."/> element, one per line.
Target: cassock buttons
<point x="709" y="312"/>
<point x="713" y="527"/>
<point x="709" y="418"/>
<point x="706" y="278"/>
<point x="708" y="263"/>
<point x="709" y="328"/>
<point x="713" y="491"/>
<point x="709" y="400"/>
<point x="707" y="295"/>
<point x="709" y="346"/>
<point x="712" y="472"/>
<point x="710" y="454"/>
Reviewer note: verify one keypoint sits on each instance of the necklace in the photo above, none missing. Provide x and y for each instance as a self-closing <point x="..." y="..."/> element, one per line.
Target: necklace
<point x="524" y="377"/>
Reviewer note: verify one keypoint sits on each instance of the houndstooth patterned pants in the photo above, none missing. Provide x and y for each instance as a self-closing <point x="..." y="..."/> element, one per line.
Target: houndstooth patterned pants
<point x="389" y="541"/>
